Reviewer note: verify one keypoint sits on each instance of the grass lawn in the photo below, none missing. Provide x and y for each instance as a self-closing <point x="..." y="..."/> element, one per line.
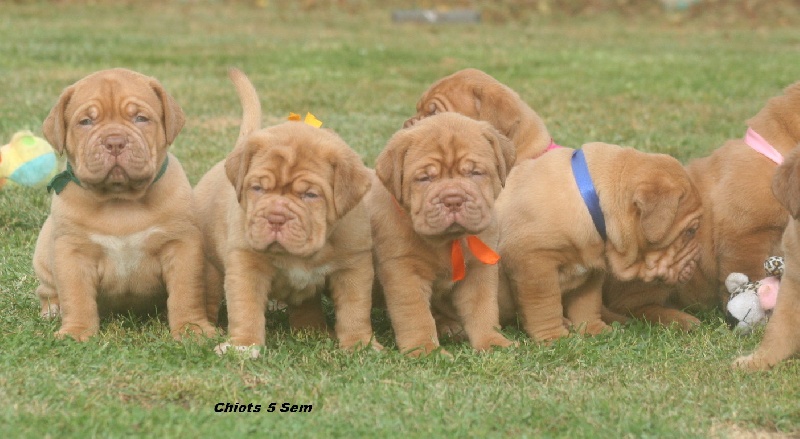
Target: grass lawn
<point x="656" y="83"/>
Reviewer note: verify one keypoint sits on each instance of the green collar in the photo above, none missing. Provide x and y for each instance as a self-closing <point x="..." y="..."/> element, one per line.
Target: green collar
<point x="62" y="179"/>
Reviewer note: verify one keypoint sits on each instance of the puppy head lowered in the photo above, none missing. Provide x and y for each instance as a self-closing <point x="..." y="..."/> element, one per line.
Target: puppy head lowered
<point x="479" y="96"/>
<point x="115" y="126"/>
<point x="294" y="181"/>
<point x="446" y="171"/>
<point x="659" y="212"/>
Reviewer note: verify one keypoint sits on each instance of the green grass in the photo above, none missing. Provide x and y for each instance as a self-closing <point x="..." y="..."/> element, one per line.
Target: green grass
<point x="655" y="83"/>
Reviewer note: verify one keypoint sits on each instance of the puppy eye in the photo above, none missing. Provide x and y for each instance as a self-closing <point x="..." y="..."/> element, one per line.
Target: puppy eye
<point x="309" y="195"/>
<point x="257" y="189"/>
<point x="691" y="232"/>
<point x="432" y="109"/>
<point x="424" y="178"/>
<point x="86" y="122"/>
<point x="476" y="173"/>
<point x="141" y="119"/>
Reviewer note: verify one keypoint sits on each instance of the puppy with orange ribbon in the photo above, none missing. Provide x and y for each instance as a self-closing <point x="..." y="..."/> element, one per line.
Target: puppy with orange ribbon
<point x="434" y="229"/>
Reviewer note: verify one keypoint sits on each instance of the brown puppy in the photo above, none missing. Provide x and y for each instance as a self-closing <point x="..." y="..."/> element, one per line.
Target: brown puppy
<point x="475" y="94"/>
<point x="742" y="221"/>
<point x="552" y="253"/>
<point x="440" y="179"/>
<point x="782" y="336"/>
<point x="121" y="234"/>
<point x="283" y="217"/>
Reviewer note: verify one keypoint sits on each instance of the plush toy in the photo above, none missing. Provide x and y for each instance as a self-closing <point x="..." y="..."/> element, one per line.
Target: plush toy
<point x="751" y="303"/>
<point x="27" y="160"/>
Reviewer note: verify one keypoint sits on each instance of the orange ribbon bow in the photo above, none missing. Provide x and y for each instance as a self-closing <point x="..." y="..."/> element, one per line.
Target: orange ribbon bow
<point x="479" y="249"/>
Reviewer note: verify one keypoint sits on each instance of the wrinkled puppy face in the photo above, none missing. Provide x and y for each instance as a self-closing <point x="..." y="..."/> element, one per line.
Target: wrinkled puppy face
<point x="446" y="172"/>
<point x="294" y="182"/>
<point x="668" y="210"/>
<point x="115" y="126"/>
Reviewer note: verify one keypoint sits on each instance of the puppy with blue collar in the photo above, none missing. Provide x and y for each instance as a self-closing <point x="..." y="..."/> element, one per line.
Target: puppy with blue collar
<point x="571" y="218"/>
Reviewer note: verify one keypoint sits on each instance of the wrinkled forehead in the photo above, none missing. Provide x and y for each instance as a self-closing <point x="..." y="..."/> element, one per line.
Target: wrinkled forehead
<point x="113" y="92"/>
<point x="448" y="147"/>
<point x="287" y="158"/>
<point x="456" y="96"/>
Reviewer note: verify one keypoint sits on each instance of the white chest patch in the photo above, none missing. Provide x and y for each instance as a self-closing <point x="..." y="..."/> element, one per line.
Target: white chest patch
<point x="124" y="253"/>
<point x="300" y="277"/>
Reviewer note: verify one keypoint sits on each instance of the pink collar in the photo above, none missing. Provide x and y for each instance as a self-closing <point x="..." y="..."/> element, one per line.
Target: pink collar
<point x="755" y="141"/>
<point x="552" y="146"/>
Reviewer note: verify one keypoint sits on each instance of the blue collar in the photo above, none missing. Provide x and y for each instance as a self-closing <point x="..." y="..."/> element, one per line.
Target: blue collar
<point x="588" y="192"/>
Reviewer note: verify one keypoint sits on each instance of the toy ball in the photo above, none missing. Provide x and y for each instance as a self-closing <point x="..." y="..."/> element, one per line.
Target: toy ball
<point x="27" y="160"/>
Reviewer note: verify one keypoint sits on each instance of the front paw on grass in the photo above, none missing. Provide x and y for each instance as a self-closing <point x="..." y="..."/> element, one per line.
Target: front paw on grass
<point x="494" y="342"/>
<point x="751" y="363"/>
<point x="76" y="333"/>
<point x="251" y="351"/>
<point x="424" y="351"/>
<point x="360" y="344"/>
<point x="195" y="329"/>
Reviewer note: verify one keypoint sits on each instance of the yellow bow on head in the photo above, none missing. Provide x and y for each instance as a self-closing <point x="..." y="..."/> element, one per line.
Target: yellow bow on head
<point x="310" y="119"/>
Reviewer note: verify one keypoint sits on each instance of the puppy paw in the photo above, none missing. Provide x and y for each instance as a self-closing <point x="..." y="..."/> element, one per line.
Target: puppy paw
<point x="276" y="305"/>
<point x="594" y="328"/>
<point x="78" y="333"/>
<point x="450" y="329"/>
<point x="50" y="311"/>
<point x="204" y="329"/>
<point x="687" y="323"/>
<point x="493" y="341"/>
<point x="550" y="335"/>
<point x="252" y="351"/>
<point x="425" y="349"/>
<point x="358" y="343"/>
<point x="750" y="363"/>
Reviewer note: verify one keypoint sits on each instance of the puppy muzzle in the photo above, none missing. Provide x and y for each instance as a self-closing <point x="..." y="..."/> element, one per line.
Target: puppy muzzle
<point x="118" y="158"/>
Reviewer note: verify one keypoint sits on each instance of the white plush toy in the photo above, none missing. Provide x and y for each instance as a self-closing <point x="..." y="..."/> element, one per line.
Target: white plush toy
<point x="751" y="303"/>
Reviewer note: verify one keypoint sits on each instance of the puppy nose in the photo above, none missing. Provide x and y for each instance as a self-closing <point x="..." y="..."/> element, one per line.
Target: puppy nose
<point x="409" y="122"/>
<point x="453" y="201"/>
<point x="276" y="219"/>
<point x="114" y="144"/>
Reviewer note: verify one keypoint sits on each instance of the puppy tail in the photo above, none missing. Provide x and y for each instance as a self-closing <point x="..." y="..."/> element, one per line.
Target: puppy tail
<point x="251" y="106"/>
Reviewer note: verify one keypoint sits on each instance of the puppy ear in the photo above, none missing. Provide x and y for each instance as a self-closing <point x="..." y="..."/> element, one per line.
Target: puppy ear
<point x="389" y="164"/>
<point x="236" y="165"/>
<point x="504" y="150"/>
<point x="657" y="205"/>
<point x="54" y="127"/>
<point x="351" y="181"/>
<point x="174" y="118"/>
<point x="477" y="94"/>
<point x="495" y="104"/>
<point x="786" y="183"/>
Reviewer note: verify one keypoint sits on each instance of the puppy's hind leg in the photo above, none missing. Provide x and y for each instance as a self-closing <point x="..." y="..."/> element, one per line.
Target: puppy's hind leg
<point x="308" y="315"/>
<point x="46" y="291"/>
<point x="215" y="292"/>
<point x="584" y="305"/>
<point x="48" y="298"/>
